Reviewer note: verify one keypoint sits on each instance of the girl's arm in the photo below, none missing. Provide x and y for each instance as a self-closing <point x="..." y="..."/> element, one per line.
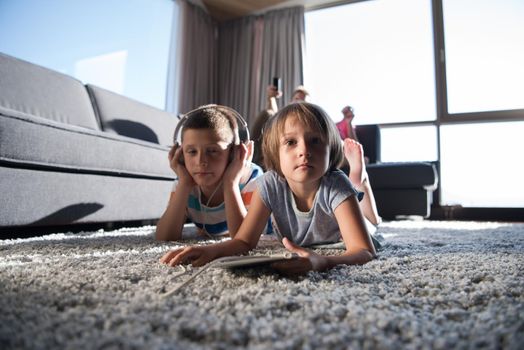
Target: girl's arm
<point x="359" y="247"/>
<point x="169" y="226"/>
<point x="254" y="223"/>
<point x="235" y="208"/>
<point x="246" y="239"/>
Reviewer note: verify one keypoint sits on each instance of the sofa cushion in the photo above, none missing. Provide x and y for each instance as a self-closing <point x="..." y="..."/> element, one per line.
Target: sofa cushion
<point x="35" y="142"/>
<point x="35" y="90"/>
<point x="124" y="116"/>
<point x="402" y="175"/>
<point x="50" y="198"/>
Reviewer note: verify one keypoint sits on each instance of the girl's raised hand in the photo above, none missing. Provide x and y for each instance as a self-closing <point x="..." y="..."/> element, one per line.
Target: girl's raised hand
<point x="234" y="169"/>
<point x="176" y="162"/>
<point x="307" y="261"/>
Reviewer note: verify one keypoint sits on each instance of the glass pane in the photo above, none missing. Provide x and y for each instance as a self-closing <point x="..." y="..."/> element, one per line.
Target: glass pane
<point x="120" y="45"/>
<point x="407" y="144"/>
<point x="376" y="56"/>
<point x="484" y="43"/>
<point x="482" y="165"/>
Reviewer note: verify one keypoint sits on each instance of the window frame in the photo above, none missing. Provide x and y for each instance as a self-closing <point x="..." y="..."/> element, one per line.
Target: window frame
<point x="443" y="117"/>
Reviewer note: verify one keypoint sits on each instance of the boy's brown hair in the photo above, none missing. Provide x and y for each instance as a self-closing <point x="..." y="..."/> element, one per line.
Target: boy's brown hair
<point x="213" y="117"/>
<point x="313" y="117"/>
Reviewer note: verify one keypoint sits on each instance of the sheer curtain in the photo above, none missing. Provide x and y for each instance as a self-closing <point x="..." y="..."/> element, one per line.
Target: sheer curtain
<point x="193" y="65"/>
<point x="239" y="47"/>
<point x="232" y="63"/>
<point x="282" y="53"/>
<point x="255" y="49"/>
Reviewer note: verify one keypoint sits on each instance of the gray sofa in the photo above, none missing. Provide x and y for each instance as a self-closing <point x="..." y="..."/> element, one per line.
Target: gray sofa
<point x="74" y="154"/>
<point x="77" y="154"/>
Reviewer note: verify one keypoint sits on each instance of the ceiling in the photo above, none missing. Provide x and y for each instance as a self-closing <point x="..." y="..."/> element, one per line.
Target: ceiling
<point x="228" y="9"/>
<point x="223" y="10"/>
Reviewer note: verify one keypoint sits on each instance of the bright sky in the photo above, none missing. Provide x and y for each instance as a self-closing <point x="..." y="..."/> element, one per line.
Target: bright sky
<point x="89" y="39"/>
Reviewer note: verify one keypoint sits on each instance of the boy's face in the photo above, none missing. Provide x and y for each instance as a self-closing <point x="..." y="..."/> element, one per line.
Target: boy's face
<point x="206" y="156"/>
<point x="304" y="157"/>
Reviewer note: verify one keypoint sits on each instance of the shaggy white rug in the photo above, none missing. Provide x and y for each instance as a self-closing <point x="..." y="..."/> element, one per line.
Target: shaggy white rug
<point x="437" y="285"/>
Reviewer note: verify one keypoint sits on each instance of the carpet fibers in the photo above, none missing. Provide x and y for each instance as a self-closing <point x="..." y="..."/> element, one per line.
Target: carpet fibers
<point x="436" y="285"/>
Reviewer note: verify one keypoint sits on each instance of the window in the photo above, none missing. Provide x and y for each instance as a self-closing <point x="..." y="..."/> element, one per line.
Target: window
<point x="120" y="45"/>
<point x="376" y="56"/>
<point x="397" y="144"/>
<point x="484" y="43"/>
<point x="482" y="165"/>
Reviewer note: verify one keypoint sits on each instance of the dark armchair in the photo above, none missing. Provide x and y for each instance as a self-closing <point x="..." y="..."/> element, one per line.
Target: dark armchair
<point x="401" y="189"/>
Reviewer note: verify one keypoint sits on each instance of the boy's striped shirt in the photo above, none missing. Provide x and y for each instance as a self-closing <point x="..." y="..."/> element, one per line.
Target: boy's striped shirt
<point x="213" y="219"/>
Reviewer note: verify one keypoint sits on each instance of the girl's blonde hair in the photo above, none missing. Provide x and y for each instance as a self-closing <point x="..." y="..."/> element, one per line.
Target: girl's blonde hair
<point x="309" y="115"/>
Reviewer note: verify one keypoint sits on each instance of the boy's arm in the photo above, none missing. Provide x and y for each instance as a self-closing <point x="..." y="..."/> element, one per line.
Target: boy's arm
<point x="235" y="209"/>
<point x="169" y="226"/>
<point x="245" y="240"/>
<point x="234" y="205"/>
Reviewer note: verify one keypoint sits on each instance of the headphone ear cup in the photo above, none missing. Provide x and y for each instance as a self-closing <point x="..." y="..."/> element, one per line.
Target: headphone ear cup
<point x="243" y="130"/>
<point x="178" y="129"/>
<point x="231" y="153"/>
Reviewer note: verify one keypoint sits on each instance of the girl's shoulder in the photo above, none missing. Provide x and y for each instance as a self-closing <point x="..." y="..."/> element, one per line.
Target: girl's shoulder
<point x="271" y="177"/>
<point x="270" y="180"/>
<point x="271" y="188"/>
<point x="335" y="175"/>
<point x="336" y="183"/>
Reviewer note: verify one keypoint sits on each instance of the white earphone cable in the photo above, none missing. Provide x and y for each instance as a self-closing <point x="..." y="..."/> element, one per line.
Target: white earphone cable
<point x="204" y="208"/>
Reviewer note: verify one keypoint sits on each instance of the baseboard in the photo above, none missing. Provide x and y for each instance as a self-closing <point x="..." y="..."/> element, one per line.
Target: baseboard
<point x="476" y="214"/>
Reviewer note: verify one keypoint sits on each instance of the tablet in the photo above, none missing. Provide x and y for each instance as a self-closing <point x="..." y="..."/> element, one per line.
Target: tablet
<point x="252" y="260"/>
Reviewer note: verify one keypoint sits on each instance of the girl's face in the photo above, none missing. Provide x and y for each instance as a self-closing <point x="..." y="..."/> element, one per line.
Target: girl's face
<point x="206" y="156"/>
<point x="304" y="158"/>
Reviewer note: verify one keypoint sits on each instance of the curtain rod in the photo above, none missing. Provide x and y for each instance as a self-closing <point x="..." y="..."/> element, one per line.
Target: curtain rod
<point x="319" y="5"/>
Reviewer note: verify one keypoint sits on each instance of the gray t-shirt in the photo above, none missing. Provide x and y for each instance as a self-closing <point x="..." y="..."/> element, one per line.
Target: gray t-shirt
<point x="317" y="226"/>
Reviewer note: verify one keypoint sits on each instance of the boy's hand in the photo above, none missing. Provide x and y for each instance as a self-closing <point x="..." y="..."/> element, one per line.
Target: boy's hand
<point x="176" y="162"/>
<point x="307" y="261"/>
<point x="234" y="170"/>
<point x="196" y="255"/>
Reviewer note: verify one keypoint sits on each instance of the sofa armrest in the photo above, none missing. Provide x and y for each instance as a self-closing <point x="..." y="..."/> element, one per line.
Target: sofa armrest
<point x="403" y="175"/>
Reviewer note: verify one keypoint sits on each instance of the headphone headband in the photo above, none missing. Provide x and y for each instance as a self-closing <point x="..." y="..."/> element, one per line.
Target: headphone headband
<point x="241" y="133"/>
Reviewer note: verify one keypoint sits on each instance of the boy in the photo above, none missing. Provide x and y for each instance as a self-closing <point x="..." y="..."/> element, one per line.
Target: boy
<point x="215" y="176"/>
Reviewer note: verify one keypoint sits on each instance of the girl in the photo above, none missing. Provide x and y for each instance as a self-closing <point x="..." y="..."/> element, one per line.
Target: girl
<point x="215" y="177"/>
<point x="310" y="200"/>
